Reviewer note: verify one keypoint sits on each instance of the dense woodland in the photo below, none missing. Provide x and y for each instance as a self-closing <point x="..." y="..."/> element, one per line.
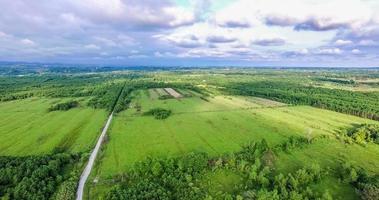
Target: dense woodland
<point x="354" y="103"/>
<point x="34" y="177"/>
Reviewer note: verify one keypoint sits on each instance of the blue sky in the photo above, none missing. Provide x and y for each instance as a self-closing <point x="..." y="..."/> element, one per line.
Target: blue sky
<point x="322" y="33"/>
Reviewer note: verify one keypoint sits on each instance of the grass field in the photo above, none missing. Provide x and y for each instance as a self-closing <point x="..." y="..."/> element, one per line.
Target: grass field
<point x="220" y="124"/>
<point x="27" y="128"/>
<point x="328" y="153"/>
<point x="209" y="120"/>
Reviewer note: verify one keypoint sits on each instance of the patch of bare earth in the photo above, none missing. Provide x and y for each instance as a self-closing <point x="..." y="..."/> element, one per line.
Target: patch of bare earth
<point x="173" y="93"/>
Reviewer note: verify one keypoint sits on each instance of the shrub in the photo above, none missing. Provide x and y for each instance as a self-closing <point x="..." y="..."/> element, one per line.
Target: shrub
<point x="64" y="106"/>
<point x="364" y="133"/>
<point x="159" y="113"/>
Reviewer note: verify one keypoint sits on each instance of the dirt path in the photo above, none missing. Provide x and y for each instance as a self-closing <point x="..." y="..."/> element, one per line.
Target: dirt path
<point x="91" y="161"/>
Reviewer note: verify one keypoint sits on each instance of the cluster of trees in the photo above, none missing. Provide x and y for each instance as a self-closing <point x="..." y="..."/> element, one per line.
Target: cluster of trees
<point x="293" y="143"/>
<point x="67" y="190"/>
<point x="367" y="186"/>
<point x="362" y="134"/>
<point x="159" y="113"/>
<point x="64" y="106"/>
<point x="181" y="178"/>
<point x="335" y="80"/>
<point x="33" y="177"/>
<point x="123" y="100"/>
<point x="106" y="97"/>
<point x="355" y="103"/>
<point x="57" y="85"/>
<point x="15" y="96"/>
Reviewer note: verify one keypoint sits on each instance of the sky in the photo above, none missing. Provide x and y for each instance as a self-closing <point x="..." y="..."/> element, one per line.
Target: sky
<point x="317" y="33"/>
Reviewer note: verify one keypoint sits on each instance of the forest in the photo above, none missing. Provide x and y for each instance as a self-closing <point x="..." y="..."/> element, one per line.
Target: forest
<point x="35" y="177"/>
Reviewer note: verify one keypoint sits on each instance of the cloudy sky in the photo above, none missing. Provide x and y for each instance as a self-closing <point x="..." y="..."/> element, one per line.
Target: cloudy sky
<point x="192" y="32"/>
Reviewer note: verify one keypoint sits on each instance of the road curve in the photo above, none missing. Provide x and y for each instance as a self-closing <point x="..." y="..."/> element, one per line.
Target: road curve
<point x="91" y="161"/>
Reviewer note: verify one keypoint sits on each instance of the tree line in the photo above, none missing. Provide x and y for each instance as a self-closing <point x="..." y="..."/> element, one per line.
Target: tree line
<point x="355" y="103"/>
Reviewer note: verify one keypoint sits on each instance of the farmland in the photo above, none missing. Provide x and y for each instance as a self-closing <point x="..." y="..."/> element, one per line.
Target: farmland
<point x="194" y="134"/>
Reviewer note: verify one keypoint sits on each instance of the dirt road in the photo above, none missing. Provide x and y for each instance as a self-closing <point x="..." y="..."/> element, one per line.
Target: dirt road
<point x="91" y="161"/>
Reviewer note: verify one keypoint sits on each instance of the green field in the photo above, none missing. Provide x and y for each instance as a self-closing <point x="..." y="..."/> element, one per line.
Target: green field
<point x="221" y="124"/>
<point x="231" y="134"/>
<point x="27" y="128"/>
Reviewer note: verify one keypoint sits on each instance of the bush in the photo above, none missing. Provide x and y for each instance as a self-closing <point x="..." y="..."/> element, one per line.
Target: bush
<point x="159" y="113"/>
<point x="64" y="106"/>
<point x="363" y="133"/>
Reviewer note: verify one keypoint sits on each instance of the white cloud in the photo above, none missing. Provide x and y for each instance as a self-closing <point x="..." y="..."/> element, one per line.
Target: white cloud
<point x="329" y="51"/>
<point x="318" y="15"/>
<point x="28" y="42"/>
<point x="136" y="14"/>
<point x="356" y="51"/>
<point x="240" y="30"/>
<point x="343" y="42"/>
<point x="92" y="47"/>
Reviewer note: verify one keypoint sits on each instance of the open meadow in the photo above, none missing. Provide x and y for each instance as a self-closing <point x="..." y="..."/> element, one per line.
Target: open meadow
<point x="192" y="134"/>
<point x="28" y="128"/>
<point x="223" y="124"/>
<point x="189" y="100"/>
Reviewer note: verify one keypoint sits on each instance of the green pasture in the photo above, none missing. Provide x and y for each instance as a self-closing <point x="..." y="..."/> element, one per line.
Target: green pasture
<point x="216" y="125"/>
<point x="27" y="128"/>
